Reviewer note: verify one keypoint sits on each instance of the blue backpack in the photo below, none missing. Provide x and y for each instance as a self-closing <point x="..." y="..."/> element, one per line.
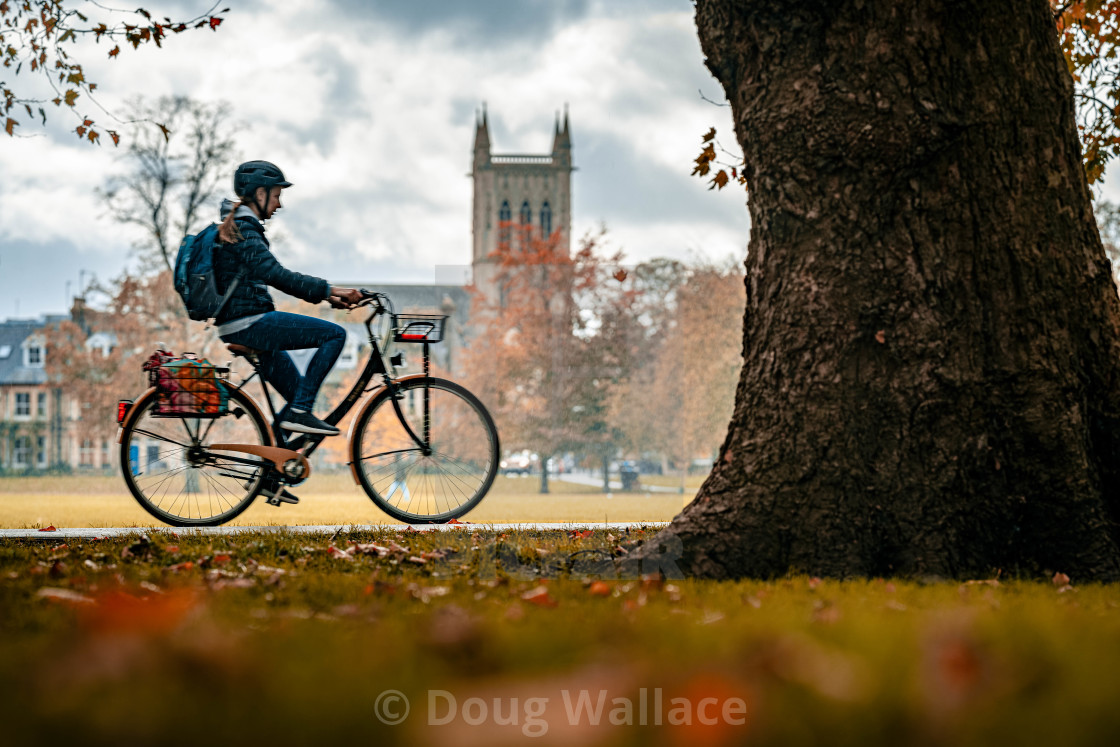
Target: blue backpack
<point x="194" y="275"/>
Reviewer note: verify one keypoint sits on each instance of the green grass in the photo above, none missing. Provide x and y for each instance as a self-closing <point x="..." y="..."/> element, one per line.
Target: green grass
<point x="276" y="638"/>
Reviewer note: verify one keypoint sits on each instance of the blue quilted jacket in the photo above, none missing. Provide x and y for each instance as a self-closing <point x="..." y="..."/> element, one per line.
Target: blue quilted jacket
<point x="253" y="257"/>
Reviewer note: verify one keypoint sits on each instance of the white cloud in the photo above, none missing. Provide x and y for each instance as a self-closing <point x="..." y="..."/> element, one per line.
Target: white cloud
<point x="374" y="126"/>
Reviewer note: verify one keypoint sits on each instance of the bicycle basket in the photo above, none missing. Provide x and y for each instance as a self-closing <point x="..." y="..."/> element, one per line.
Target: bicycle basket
<point x="418" y="327"/>
<point x="189" y="388"/>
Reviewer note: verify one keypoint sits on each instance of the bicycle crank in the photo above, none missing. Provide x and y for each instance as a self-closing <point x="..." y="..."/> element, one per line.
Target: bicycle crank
<point x="291" y="464"/>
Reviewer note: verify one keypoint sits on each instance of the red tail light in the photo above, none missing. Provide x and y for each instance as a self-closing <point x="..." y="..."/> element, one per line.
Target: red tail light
<point x="122" y="410"/>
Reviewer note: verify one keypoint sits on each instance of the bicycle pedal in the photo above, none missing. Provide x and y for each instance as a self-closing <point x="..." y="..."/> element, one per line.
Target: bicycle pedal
<point x="282" y="497"/>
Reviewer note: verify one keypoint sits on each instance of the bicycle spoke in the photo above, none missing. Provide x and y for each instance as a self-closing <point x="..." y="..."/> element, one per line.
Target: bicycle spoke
<point x="178" y="480"/>
<point x="446" y="482"/>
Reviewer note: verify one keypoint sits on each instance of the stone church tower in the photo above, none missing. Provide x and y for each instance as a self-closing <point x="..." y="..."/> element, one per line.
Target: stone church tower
<point x="531" y="189"/>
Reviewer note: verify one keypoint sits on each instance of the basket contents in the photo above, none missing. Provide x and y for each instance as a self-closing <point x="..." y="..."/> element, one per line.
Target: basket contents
<point x="187" y="386"/>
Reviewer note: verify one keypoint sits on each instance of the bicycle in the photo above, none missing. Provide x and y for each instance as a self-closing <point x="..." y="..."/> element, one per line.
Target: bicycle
<point x="424" y="449"/>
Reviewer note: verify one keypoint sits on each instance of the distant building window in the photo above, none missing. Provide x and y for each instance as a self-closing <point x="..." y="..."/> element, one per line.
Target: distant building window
<point x="34" y="357"/>
<point x="5" y="351"/>
<point x="23" y="404"/>
<point x="41" y="452"/>
<point x="104" y="453"/>
<point x="41" y="409"/>
<point x="100" y="342"/>
<point x="546" y="220"/>
<point x="21" y="454"/>
<point x="85" y="454"/>
<point x="504" y="217"/>
<point x="526" y="214"/>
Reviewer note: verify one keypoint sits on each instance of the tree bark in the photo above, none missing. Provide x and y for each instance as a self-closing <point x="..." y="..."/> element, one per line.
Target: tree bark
<point x="931" y="335"/>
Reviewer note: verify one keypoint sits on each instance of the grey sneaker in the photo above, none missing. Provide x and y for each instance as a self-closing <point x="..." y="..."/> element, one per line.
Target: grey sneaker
<point x="305" y="422"/>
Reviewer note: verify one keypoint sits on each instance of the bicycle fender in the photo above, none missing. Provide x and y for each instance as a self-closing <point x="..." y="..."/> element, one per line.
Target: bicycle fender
<point x="137" y="405"/>
<point x="366" y="403"/>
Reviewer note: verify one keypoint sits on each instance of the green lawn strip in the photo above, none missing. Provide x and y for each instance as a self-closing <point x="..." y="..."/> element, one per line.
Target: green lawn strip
<point x="290" y="638"/>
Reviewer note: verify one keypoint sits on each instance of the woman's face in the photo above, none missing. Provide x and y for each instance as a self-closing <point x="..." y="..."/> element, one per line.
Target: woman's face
<point x="272" y="203"/>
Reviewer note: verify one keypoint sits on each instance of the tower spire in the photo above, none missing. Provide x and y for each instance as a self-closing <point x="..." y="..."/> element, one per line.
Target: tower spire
<point x="481" y="137"/>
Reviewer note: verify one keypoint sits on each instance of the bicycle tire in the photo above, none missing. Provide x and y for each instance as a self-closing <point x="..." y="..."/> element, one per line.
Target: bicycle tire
<point x="153" y="476"/>
<point x="420" y="488"/>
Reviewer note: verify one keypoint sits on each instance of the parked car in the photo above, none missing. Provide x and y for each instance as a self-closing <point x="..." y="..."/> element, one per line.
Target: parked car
<point x="519" y="463"/>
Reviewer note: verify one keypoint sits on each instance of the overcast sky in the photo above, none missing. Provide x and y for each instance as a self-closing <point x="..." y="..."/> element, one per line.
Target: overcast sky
<point x="369" y="108"/>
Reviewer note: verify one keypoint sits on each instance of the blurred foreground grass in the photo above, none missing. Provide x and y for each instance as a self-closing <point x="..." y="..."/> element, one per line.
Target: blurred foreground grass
<point x="279" y="639"/>
<point x="328" y="498"/>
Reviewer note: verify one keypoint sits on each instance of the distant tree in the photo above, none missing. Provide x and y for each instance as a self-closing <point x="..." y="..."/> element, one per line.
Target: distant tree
<point x="1108" y="221"/>
<point x="678" y="400"/>
<point x="39" y="37"/>
<point x="135" y="314"/>
<point x="547" y="351"/>
<point x="172" y="173"/>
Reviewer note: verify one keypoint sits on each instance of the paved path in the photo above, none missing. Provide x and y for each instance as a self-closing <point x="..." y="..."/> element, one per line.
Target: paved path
<point x="103" y="532"/>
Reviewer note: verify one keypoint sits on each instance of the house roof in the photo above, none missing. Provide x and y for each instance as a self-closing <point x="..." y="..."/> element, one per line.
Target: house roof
<point x="13" y="333"/>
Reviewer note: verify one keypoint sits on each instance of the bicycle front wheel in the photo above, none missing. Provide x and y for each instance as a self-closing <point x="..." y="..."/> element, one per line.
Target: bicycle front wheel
<point x="173" y="475"/>
<point x="442" y="473"/>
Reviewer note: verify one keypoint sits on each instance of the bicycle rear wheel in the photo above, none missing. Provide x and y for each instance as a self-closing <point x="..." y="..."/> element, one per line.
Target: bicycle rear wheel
<point x="173" y="475"/>
<point x="440" y="480"/>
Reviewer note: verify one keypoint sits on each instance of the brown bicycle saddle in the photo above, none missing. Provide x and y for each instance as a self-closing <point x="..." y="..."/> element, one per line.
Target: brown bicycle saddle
<point x="241" y="350"/>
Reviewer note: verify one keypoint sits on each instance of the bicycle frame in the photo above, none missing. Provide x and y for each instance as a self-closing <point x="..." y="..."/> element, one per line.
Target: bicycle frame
<point x="375" y="366"/>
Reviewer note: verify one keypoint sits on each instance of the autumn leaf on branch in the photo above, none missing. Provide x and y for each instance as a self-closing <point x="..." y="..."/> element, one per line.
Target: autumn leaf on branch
<point x="34" y="39"/>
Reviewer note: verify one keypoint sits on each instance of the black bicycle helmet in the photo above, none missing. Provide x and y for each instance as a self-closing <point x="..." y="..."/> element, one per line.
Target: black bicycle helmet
<point x="253" y="174"/>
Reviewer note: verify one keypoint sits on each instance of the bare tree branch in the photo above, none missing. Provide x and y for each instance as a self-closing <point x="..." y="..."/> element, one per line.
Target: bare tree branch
<point x="170" y="178"/>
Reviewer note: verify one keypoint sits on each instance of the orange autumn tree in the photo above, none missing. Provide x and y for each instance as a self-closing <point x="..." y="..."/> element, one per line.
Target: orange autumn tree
<point x="41" y="38"/>
<point x="679" y="402"/>
<point x="137" y="314"/>
<point x="547" y="348"/>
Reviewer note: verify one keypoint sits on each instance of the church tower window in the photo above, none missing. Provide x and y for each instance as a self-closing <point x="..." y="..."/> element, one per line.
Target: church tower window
<point x="504" y="217"/>
<point x="526" y="214"/>
<point x="546" y="220"/>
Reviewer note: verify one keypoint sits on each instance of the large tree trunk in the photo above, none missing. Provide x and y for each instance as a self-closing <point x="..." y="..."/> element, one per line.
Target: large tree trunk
<point x="931" y="335"/>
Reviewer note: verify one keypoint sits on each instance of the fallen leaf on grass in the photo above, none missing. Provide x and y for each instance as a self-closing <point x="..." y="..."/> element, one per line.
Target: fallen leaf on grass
<point x="63" y="595"/>
<point x="234" y="583"/>
<point x="825" y="612"/>
<point x="600" y="589"/>
<point x="424" y="593"/>
<point x="49" y="529"/>
<point x="119" y="610"/>
<point x="540" y="597"/>
<point x="371" y="549"/>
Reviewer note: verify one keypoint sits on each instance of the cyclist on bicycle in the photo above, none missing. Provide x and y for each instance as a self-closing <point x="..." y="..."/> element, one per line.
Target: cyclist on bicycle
<point x="250" y="318"/>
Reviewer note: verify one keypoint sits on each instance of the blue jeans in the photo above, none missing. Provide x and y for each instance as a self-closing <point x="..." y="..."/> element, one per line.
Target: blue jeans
<point x="279" y="331"/>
